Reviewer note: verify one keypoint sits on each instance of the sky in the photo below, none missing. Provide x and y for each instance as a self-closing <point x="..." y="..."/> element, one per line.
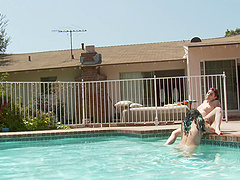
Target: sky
<point x="113" y="22"/>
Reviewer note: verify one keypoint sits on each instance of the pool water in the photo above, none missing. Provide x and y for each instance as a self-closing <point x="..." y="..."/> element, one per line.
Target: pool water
<point x="114" y="158"/>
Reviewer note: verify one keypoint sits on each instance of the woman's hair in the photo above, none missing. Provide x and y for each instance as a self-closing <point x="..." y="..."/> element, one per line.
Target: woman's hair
<point x="215" y="91"/>
<point x="196" y="116"/>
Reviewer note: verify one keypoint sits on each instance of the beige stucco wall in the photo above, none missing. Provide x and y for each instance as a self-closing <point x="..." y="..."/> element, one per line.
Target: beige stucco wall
<point x="64" y="74"/>
<point x="210" y="53"/>
<point x="112" y="71"/>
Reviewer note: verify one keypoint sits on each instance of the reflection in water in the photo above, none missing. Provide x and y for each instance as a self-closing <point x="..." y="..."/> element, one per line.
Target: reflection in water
<point x="217" y="158"/>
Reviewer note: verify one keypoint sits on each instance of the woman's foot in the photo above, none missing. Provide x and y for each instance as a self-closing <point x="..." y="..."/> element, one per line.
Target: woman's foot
<point x="219" y="132"/>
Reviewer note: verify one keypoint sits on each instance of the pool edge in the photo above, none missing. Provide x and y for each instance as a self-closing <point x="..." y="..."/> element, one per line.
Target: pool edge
<point x="228" y="140"/>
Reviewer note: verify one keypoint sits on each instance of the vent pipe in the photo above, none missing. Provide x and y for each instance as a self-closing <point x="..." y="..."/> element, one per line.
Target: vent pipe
<point x="195" y="40"/>
<point x="82" y="46"/>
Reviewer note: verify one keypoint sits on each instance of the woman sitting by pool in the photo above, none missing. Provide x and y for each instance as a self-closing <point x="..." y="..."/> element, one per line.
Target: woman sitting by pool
<point x="211" y="112"/>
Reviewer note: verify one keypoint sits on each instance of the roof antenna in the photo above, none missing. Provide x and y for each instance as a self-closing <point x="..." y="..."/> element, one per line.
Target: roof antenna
<point x="70" y="31"/>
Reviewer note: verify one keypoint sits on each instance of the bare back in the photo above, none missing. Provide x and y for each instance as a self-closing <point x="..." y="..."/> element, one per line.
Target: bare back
<point x="192" y="138"/>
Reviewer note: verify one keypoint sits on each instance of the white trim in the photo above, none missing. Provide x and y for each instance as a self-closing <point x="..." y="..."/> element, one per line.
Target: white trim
<point x="236" y="64"/>
<point x="188" y="70"/>
<point x="220" y="59"/>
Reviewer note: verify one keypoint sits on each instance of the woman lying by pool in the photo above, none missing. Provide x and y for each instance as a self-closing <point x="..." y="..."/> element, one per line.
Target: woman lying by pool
<point x="211" y="112"/>
<point x="192" y="128"/>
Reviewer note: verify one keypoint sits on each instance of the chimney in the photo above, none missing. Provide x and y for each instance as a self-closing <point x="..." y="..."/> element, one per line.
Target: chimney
<point x="90" y="49"/>
<point x="88" y="57"/>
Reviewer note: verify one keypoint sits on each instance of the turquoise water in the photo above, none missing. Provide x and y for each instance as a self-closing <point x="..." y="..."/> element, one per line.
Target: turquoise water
<point x="114" y="158"/>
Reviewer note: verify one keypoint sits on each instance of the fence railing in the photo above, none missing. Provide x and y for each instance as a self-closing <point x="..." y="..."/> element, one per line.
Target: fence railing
<point x="111" y="101"/>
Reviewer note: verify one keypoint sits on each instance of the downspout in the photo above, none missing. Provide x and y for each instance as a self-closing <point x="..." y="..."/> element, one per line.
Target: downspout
<point x="83" y="103"/>
<point x="225" y="95"/>
<point x="155" y="90"/>
<point x="188" y="70"/>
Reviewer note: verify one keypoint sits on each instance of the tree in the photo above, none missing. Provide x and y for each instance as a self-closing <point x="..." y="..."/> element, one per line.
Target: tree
<point x="232" y="32"/>
<point x="4" y="40"/>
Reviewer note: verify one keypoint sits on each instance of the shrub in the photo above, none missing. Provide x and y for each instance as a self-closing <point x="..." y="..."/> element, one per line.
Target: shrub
<point x="62" y="126"/>
<point x="18" y="118"/>
<point x="57" y="108"/>
<point x="39" y="120"/>
<point x="11" y="118"/>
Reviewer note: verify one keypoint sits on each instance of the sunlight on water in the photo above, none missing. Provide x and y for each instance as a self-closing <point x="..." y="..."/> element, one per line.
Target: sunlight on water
<point x="114" y="158"/>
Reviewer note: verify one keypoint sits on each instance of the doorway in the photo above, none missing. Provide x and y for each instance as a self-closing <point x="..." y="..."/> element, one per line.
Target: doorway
<point x="229" y="67"/>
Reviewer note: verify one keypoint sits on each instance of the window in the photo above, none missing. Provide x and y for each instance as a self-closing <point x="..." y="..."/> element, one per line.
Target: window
<point x="217" y="67"/>
<point x="45" y="87"/>
<point x="48" y="79"/>
<point x="142" y="91"/>
<point x="135" y="91"/>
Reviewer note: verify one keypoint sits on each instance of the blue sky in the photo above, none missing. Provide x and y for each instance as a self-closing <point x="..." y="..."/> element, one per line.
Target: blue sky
<point x="114" y="22"/>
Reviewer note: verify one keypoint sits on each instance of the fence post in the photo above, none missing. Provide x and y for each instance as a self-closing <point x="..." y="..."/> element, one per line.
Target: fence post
<point x="155" y="90"/>
<point x="83" y="112"/>
<point x="225" y="95"/>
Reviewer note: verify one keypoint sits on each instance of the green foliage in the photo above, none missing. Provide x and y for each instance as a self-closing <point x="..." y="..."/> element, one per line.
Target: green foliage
<point x="4" y="89"/>
<point x="3" y="126"/>
<point x="9" y="114"/>
<point x="4" y="40"/>
<point x="4" y="77"/>
<point x="30" y="117"/>
<point x="40" y="121"/>
<point x="16" y="119"/>
<point x="10" y="117"/>
<point x="62" y="126"/>
<point x="57" y="108"/>
<point x="232" y="32"/>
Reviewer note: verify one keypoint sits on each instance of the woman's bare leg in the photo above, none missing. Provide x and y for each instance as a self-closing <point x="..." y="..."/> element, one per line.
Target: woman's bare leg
<point x="217" y="114"/>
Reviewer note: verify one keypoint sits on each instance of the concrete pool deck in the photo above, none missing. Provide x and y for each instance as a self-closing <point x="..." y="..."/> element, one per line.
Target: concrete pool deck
<point x="231" y="132"/>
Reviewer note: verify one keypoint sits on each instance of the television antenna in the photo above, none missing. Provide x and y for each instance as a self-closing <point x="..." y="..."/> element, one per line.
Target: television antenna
<point x="70" y="32"/>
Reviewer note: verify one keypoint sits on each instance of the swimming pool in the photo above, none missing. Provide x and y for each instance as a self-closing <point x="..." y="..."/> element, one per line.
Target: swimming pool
<point x="114" y="157"/>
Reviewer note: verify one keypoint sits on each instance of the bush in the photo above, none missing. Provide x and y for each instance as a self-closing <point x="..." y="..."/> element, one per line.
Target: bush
<point x="16" y="119"/>
<point x="57" y="108"/>
<point x="62" y="126"/>
<point x="42" y="121"/>
<point x="19" y="118"/>
<point x="11" y="118"/>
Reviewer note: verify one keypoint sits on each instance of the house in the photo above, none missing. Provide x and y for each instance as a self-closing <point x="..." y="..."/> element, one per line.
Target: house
<point x="213" y="56"/>
<point x="178" y="58"/>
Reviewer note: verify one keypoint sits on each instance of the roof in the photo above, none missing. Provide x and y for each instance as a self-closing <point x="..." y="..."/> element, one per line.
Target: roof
<point x="217" y="41"/>
<point x="40" y="60"/>
<point x="141" y="53"/>
<point x="111" y="55"/>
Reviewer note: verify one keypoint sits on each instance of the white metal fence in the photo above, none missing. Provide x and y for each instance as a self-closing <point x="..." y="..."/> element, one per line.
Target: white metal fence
<point x="157" y="99"/>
